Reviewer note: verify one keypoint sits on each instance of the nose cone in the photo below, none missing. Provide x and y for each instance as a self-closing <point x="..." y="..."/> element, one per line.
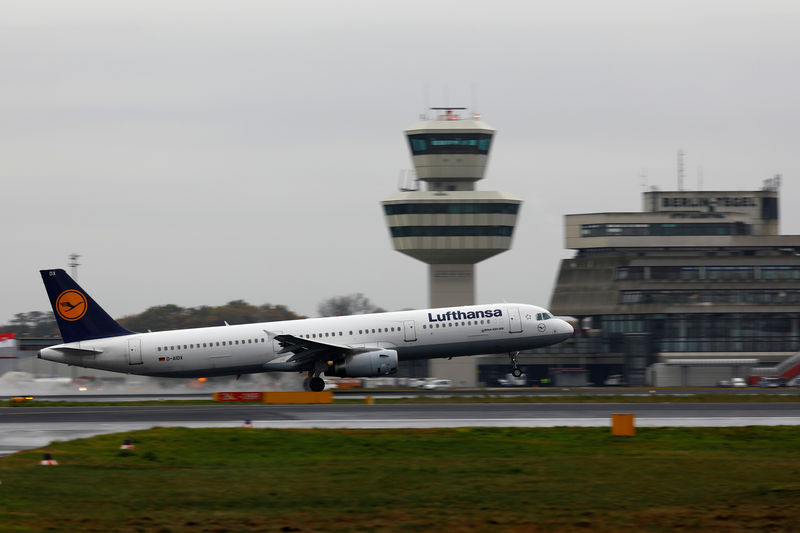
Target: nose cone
<point x="565" y="330"/>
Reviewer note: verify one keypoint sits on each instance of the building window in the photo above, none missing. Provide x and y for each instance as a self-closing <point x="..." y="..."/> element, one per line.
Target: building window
<point x="450" y="143"/>
<point x="451" y="231"/>
<point x="451" y="208"/>
<point x="630" y="273"/>
<point x="780" y="272"/>
<point x="730" y="272"/>
<point x="665" y="229"/>
<point x="674" y="272"/>
<point x="711" y="296"/>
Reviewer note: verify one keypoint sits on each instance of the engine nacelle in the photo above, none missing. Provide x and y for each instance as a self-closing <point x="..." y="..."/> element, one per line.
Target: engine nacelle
<point x="365" y="365"/>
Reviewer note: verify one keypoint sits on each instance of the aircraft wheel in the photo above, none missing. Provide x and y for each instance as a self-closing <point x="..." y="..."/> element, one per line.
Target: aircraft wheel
<point x="316" y="384"/>
<point x="307" y="384"/>
<point x="517" y="372"/>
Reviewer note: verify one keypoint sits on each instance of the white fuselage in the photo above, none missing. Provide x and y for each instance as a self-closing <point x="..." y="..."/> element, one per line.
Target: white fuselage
<point x="248" y="348"/>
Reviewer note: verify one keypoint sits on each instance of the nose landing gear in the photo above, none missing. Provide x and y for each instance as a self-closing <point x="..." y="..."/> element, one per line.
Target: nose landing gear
<point x="516" y="371"/>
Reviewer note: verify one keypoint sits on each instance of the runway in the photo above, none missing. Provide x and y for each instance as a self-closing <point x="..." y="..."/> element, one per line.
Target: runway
<point x="32" y="427"/>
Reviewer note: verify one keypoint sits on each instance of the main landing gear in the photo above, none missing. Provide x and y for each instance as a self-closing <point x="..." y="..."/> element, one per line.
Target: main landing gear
<point x="516" y="371"/>
<point x="314" y="382"/>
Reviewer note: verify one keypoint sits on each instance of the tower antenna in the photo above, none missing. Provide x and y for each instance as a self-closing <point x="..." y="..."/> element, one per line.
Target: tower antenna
<point x="73" y="265"/>
<point x="680" y="169"/>
<point x="474" y="103"/>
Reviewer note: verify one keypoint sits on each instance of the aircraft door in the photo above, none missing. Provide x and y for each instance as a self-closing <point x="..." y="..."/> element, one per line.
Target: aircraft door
<point x="514" y="321"/>
<point x="135" y="352"/>
<point x="410" y="329"/>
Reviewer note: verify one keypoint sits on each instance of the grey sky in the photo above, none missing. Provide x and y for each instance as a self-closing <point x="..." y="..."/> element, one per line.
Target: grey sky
<point x="200" y="152"/>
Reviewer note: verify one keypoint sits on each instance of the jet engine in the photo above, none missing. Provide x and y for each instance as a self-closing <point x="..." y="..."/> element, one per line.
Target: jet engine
<point x="365" y="365"/>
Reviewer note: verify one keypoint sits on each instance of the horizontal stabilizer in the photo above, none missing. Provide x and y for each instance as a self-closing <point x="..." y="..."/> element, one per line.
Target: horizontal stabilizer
<point x="76" y="351"/>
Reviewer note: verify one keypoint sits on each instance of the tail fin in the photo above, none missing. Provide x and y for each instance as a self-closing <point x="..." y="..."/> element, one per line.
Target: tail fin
<point x="78" y="316"/>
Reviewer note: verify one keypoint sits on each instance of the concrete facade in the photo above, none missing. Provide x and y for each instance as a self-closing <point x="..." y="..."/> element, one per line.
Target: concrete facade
<point x="705" y="273"/>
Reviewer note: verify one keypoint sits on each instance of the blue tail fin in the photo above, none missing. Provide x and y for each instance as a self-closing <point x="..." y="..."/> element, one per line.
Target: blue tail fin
<point x="79" y="318"/>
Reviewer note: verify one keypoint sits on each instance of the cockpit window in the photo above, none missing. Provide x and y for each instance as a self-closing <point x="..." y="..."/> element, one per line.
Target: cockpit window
<point x="543" y="316"/>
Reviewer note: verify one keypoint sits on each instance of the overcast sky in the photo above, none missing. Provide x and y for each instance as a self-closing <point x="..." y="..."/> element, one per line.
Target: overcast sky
<point x="197" y="152"/>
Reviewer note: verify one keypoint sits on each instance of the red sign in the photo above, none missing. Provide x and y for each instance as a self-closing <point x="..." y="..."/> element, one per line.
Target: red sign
<point x="238" y="396"/>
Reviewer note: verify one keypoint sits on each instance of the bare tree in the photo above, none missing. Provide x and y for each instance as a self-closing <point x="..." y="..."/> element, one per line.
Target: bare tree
<point x="352" y="304"/>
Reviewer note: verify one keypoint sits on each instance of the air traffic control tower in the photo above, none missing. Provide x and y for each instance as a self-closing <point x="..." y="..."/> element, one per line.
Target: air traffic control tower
<point x="449" y="224"/>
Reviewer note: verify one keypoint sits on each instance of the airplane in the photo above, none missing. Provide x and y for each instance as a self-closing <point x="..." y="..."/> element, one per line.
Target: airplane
<point x="368" y="345"/>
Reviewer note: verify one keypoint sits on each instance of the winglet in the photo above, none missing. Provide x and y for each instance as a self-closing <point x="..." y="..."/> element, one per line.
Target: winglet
<point x="78" y="316"/>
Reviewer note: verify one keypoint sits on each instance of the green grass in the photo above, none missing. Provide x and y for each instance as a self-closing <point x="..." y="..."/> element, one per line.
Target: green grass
<point x="479" y="479"/>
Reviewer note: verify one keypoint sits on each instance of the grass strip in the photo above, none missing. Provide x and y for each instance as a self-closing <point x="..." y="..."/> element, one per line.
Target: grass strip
<point x="459" y="480"/>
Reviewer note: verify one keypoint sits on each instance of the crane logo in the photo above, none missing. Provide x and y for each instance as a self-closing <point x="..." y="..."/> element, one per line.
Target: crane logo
<point x="71" y="305"/>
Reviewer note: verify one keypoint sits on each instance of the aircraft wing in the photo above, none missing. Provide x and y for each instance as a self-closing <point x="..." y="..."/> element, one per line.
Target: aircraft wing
<point x="306" y="350"/>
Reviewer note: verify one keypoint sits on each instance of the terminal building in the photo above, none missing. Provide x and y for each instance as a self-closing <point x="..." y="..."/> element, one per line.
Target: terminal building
<point x="697" y="287"/>
<point x="448" y="224"/>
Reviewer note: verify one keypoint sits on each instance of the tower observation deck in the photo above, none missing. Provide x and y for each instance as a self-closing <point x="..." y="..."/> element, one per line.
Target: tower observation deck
<point x="448" y="224"/>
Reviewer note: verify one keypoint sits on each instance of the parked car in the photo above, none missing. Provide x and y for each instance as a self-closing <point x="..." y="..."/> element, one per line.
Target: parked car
<point x="437" y="384"/>
<point x="771" y="382"/>
<point x="733" y="382"/>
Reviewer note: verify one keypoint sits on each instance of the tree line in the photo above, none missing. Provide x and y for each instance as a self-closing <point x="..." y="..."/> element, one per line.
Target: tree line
<point x="41" y="324"/>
